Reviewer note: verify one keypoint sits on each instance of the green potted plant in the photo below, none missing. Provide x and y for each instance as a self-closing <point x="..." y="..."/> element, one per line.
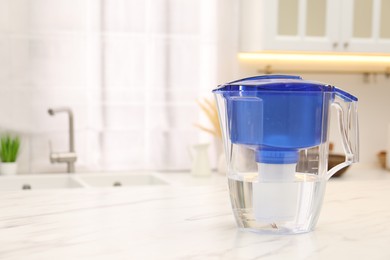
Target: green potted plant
<point x="9" y="150"/>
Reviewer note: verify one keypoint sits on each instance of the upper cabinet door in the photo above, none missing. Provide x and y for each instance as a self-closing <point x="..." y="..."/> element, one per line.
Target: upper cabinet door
<point x="315" y="25"/>
<point x="366" y="26"/>
<point x="290" y="25"/>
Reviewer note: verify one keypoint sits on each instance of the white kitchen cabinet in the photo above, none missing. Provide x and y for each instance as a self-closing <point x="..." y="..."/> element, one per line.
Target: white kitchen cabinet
<point x="315" y="25"/>
<point x="366" y="26"/>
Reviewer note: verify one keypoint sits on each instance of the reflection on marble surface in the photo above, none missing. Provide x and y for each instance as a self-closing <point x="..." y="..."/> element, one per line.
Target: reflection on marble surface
<point x="185" y="223"/>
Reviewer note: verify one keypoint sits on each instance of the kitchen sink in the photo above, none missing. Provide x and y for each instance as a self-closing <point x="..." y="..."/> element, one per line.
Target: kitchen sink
<point x="78" y="180"/>
<point x="118" y="180"/>
<point x="38" y="182"/>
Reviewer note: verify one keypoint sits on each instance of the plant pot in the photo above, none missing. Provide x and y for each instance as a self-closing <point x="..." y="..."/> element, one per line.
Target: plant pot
<point x="9" y="168"/>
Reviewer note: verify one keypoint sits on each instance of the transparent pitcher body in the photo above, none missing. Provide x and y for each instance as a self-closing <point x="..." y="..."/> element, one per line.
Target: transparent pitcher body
<point x="276" y="147"/>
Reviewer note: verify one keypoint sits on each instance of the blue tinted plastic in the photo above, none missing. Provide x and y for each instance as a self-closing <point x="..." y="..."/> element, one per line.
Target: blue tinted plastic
<point x="285" y="122"/>
<point x="345" y="95"/>
<point x="277" y="156"/>
<point x="277" y="115"/>
<point x="274" y="82"/>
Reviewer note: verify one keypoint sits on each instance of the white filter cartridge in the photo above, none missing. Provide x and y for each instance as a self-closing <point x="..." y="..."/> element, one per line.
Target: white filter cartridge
<point x="275" y="194"/>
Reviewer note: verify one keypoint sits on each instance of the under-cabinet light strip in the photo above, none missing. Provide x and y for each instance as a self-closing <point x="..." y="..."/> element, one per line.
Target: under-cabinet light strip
<point x="315" y="57"/>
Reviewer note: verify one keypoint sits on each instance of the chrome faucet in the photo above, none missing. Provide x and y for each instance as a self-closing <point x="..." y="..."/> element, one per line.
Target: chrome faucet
<point x="65" y="157"/>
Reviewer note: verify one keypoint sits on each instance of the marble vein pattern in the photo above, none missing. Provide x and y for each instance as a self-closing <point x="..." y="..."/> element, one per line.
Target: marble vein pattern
<point x="185" y="223"/>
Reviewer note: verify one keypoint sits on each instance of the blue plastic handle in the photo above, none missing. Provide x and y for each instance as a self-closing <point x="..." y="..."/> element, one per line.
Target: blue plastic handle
<point x="345" y="95"/>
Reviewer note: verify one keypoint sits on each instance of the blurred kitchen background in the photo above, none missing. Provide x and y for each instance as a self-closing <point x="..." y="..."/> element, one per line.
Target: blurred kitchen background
<point x="132" y="71"/>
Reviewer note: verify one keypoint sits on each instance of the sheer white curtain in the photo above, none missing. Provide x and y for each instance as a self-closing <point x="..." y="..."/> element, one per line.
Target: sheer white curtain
<point x="131" y="70"/>
<point x="157" y="58"/>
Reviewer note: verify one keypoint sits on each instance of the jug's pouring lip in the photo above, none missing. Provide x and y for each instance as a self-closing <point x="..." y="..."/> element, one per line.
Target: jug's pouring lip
<point x="281" y="83"/>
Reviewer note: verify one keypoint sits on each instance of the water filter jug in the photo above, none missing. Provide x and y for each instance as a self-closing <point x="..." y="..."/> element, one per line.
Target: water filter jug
<point x="275" y="133"/>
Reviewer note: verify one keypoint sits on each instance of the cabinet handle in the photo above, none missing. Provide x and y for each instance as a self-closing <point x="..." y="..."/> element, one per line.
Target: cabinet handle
<point x="335" y="44"/>
<point x="346" y="44"/>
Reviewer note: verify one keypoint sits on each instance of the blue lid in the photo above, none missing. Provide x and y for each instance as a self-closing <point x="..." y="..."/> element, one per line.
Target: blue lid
<point x="281" y="83"/>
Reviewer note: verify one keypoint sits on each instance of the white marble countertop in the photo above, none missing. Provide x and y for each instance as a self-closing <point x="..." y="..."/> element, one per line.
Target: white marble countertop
<point x="189" y="222"/>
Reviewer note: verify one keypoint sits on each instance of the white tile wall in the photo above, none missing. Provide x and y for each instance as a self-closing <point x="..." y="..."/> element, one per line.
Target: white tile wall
<point x="57" y="16"/>
<point x="92" y="161"/>
<point x="4" y="10"/>
<point x="124" y="63"/>
<point x="159" y="23"/>
<point x="156" y="71"/>
<point x="171" y="148"/>
<point x="19" y="62"/>
<point x="24" y="159"/>
<point x="4" y="61"/>
<point x="15" y="109"/>
<point x="184" y="62"/>
<point x="123" y="149"/>
<point x="124" y="16"/>
<point x="124" y="95"/>
<point x="42" y="64"/>
<point x="184" y="16"/>
<point x="128" y="69"/>
<point x="19" y="17"/>
<point x="65" y="56"/>
<point x="125" y="117"/>
<point x="163" y="63"/>
<point x="176" y="94"/>
<point x="184" y="116"/>
<point x="48" y="96"/>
